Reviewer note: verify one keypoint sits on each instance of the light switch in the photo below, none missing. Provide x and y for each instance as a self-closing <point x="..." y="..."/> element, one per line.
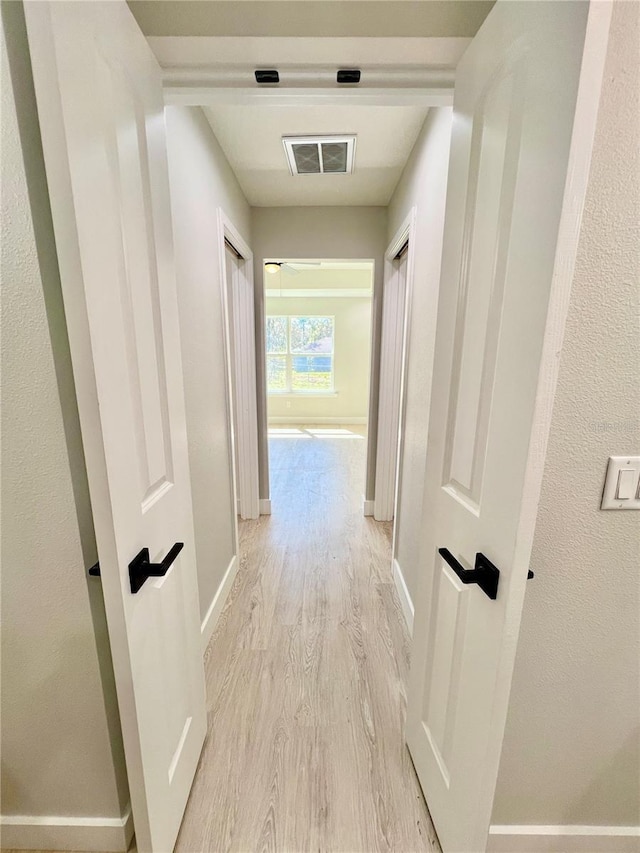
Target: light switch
<point x="627" y="484"/>
<point x="622" y="483"/>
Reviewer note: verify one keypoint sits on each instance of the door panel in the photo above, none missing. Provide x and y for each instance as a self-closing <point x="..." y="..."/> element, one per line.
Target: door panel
<point x="128" y="155"/>
<point x="232" y="272"/>
<point x="101" y="112"/>
<point x="514" y="106"/>
<point x="495" y="137"/>
<point x="239" y="300"/>
<point x="392" y="349"/>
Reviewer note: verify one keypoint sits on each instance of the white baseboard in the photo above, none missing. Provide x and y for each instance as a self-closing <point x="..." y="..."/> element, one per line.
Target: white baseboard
<point x="265" y="506"/>
<point x="32" y="832"/>
<point x="403" y="595"/>
<point x="367" y="507"/>
<point x="563" y="839"/>
<point x="314" y="420"/>
<point x="219" y="599"/>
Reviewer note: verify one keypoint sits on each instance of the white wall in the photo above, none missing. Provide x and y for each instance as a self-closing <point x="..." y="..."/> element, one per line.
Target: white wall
<point x="318" y="232"/>
<point x="61" y="747"/>
<point x="351" y="362"/>
<point x="423" y="184"/>
<point x="201" y="181"/>
<point x="572" y="746"/>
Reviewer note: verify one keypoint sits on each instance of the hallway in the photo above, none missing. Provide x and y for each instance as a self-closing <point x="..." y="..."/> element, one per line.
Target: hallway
<point x="306" y="674"/>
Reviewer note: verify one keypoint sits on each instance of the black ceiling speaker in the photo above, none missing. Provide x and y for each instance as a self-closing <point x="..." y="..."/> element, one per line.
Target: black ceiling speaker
<point x="268" y="75"/>
<point x="349" y="75"/>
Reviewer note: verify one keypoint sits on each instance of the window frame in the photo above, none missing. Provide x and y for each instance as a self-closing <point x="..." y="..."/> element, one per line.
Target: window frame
<point x="289" y="356"/>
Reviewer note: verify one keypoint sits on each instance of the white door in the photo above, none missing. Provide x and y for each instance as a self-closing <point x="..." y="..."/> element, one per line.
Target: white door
<point x="241" y="353"/>
<point x="504" y="263"/>
<point x="232" y="270"/>
<point x="102" y="119"/>
<point x="392" y="358"/>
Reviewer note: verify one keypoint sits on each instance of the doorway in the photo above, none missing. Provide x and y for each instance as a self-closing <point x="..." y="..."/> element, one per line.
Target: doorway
<point x="318" y="345"/>
<point x="118" y="604"/>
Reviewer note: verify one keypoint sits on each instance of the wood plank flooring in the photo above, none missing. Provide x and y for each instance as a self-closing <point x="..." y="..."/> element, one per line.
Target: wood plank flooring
<point x="306" y="675"/>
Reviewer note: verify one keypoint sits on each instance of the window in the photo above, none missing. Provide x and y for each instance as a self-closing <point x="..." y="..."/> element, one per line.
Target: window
<point x="299" y="354"/>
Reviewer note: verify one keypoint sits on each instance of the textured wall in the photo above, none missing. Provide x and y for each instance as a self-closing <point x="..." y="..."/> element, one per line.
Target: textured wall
<point x="571" y="750"/>
<point x="423" y="184"/>
<point x="61" y="747"/>
<point x="201" y="182"/>
<point x="318" y="232"/>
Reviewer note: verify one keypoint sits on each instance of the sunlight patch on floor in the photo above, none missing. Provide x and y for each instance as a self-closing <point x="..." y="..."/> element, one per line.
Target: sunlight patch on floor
<point x="314" y="432"/>
<point x="334" y="433"/>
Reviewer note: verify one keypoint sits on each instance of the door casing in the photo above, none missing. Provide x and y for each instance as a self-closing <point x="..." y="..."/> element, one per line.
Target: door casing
<point x="394" y="353"/>
<point x="241" y="370"/>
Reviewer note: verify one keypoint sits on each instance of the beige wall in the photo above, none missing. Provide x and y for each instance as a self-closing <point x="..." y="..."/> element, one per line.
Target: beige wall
<point x="201" y="182"/>
<point x="61" y="747"/>
<point x="572" y="746"/>
<point x="318" y="232"/>
<point x="351" y="365"/>
<point x="423" y="184"/>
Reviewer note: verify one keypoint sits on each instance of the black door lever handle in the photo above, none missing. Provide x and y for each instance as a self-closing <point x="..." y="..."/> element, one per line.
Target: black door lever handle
<point x="485" y="574"/>
<point x="140" y="568"/>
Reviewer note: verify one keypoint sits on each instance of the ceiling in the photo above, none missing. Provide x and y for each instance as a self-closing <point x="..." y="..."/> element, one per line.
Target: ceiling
<point x="320" y="18"/>
<point x="341" y="278"/>
<point x="407" y="49"/>
<point x="251" y="138"/>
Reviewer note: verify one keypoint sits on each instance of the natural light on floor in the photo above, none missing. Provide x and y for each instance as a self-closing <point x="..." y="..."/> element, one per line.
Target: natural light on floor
<point x="312" y="432"/>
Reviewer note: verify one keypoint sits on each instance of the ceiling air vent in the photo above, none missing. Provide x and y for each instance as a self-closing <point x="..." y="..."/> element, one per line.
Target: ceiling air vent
<point x="320" y="155"/>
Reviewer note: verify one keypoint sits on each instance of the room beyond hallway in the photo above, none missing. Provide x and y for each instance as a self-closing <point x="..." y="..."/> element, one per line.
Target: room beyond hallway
<point x="306" y="674"/>
<point x="326" y="468"/>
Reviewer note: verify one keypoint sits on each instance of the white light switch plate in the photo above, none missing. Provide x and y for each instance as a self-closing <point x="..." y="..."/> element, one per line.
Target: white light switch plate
<point x="622" y="483"/>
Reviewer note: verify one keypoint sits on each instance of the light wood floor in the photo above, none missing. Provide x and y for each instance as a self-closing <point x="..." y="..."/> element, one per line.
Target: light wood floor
<point x="306" y="675"/>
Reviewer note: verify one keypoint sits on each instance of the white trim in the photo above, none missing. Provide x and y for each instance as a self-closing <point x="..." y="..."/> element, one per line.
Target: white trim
<point x="563" y="839"/>
<point x="396" y="301"/>
<point x="296" y="395"/>
<point x="367" y="508"/>
<point x="319" y="293"/>
<point x="310" y="419"/>
<point x="32" y="832"/>
<point x="265" y="506"/>
<point x="231" y="75"/>
<point x="384" y="60"/>
<point x="243" y="369"/>
<point x="217" y="604"/>
<point x="203" y="94"/>
<point x="321" y="263"/>
<point x="569" y="227"/>
<point x="121" y="45"/>
<point x="403" y="594"/>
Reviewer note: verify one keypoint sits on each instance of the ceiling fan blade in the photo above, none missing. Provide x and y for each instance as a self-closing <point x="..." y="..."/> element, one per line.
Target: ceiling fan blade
<point x="289" y="269"/>
<point x="307" y="263"/>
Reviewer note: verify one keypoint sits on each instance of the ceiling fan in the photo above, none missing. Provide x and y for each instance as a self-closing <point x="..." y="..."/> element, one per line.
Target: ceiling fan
<point x="289" y="268"/>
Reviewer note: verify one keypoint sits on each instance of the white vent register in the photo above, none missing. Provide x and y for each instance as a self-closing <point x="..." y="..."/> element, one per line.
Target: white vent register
<point x="320" y="155"/>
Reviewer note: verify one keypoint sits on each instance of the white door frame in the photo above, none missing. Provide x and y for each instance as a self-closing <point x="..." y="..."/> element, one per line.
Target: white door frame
<point x="569" y="229"/>
<point x="394" y="347"/>
<point x="240" y="370"/>
<point x="158" y="782"/>
<point x="568" y="235"/>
